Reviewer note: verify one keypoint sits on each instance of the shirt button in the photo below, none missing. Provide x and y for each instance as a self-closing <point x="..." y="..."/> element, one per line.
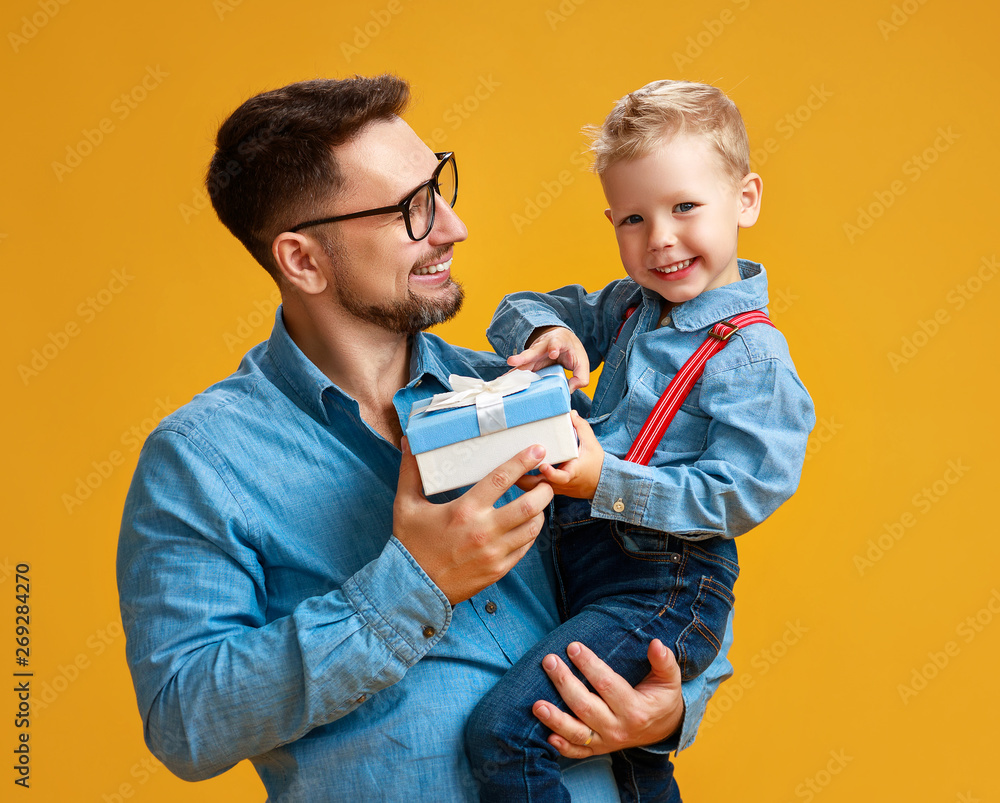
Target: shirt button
<point x="491" y="607"/>
<point x="618" y="506"/>
<point x="665" y="320"/>
<point x="429" y="631"/>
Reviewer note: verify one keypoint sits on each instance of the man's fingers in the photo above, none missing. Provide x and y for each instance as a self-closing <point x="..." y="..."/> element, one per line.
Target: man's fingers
<point x="611" y="686"/>
<point x="409" y="475"/>
<point x="527" y="511"/>
<point x="663" y="665"/>
<point x="499" y="481"/>
<point x="569" y="732"/>
<point x="559" y="723"/>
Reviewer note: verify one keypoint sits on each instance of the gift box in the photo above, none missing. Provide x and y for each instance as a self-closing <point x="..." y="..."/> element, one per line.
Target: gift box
<point x="461" y="436"/>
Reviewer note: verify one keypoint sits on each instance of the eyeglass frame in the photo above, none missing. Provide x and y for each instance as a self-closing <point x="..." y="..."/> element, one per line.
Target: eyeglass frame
<point x="403" y="207"/>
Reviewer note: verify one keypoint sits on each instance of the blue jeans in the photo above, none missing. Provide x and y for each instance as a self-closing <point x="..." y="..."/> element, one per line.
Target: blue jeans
<point x="620" y="587"/>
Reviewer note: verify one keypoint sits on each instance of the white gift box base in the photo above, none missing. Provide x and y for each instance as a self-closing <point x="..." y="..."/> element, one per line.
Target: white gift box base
<point x="467" y="462"/>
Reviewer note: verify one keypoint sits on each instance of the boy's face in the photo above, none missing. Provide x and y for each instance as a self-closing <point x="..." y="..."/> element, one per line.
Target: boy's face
<point x="676" y="213"/>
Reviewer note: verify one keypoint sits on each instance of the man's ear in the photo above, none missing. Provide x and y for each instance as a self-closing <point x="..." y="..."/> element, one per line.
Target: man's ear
<point x="298" y="259"/>
<point x="751" y="190"/>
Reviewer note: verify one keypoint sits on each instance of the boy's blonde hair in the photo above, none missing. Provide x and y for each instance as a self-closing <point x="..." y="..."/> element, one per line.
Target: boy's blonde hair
<point x="662" y="109"/>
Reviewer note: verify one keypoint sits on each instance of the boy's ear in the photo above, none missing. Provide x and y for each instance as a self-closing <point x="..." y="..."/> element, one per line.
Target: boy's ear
<point x="607" y="214"/>
<point x="751" y="190"/>
<point x="297" y="258"/>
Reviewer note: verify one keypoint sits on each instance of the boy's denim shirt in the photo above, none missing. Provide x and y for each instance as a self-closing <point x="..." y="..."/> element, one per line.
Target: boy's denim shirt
<point x="735" y="450"/>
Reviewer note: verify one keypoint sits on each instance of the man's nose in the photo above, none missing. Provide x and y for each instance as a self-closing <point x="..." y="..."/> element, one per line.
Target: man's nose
<point x="448" y="226"/>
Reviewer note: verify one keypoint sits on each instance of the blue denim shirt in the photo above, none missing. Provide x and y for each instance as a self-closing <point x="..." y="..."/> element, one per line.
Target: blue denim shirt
<point x="270" y="614"/>
<point x="733" y="453"/>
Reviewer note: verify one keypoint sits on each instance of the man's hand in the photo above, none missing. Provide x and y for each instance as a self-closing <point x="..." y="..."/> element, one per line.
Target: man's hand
<point x="618" y="716"/>
<point x="577" y="477"/>
<point x="551" y="345"/>
<point x="467" y="544"/>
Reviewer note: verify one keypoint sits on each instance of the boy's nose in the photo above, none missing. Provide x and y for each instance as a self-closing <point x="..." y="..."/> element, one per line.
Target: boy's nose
<point x="661" y="236"/>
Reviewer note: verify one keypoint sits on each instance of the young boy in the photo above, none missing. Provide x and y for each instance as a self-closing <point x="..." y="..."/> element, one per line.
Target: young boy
<point x="647" y="551"/>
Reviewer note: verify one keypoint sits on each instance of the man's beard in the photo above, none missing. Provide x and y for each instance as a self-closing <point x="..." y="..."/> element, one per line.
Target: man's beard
<point x="405" y="317"/>
<point x="400" y="317"/>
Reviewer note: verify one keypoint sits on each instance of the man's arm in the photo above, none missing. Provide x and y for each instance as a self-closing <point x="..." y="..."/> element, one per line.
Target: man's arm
<point x="660" y="713"/>
<point x="216" y="681"/>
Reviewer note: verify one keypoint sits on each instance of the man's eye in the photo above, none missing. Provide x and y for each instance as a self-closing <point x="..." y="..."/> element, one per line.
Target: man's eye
<point x="687" y="206"/>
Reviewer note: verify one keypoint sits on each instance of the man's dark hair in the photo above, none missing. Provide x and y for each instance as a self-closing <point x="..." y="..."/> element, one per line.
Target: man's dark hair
<point x="273" y="162"/>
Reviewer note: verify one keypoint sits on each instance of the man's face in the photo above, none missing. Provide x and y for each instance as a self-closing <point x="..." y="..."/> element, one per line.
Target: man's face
<point x="377" y="273"/>
<point x="676" y="214"/>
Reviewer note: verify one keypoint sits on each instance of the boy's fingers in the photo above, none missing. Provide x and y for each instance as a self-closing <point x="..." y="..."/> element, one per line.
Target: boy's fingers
<point x="554" y="475"/>
<point x="529" y="481"/>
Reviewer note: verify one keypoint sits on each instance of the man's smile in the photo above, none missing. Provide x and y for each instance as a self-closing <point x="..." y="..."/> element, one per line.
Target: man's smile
<point x="437" y="267"/>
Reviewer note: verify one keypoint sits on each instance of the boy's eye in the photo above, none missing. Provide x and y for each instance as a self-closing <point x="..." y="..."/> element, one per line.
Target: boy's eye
<point x="631" y="220"/>
<point x="687" y="206"/>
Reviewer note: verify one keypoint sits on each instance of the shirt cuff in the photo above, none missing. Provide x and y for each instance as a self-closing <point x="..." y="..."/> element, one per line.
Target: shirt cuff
<point x="622" y="491"/>
<point x="400" y="603"/>
<point x="509" y="334"/>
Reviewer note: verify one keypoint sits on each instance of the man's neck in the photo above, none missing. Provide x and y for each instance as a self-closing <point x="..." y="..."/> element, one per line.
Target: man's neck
<point x="365" y="361"/>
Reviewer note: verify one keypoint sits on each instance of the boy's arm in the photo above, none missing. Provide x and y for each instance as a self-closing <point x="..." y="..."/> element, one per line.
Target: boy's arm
<point x="594" y="317"/>
<point x="761" y="417"/>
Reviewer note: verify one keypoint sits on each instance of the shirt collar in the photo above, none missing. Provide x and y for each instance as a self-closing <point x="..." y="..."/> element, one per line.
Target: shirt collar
<point x="307" y="383"/>
<point x="723" y="302"/>
<point x="425" y="360"/>
<point x="314" y="389"/>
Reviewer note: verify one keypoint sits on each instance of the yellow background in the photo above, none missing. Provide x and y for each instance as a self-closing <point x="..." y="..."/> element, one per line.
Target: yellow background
<point x="881" y="116"/>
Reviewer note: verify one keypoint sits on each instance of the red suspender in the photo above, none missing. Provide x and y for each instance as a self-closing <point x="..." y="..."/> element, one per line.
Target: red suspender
<point x="625" y="317"/>
<point x="669" y="403"/>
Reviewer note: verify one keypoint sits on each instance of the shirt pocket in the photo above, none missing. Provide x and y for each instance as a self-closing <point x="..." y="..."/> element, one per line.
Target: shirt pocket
<point x="687" y="434"/>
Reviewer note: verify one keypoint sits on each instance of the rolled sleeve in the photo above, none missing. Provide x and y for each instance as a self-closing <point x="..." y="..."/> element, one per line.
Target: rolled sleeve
<point x="216" y="680"/>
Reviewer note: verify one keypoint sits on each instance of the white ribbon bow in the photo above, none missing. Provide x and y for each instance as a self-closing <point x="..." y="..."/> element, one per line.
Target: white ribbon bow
<point x="487" y="396"/>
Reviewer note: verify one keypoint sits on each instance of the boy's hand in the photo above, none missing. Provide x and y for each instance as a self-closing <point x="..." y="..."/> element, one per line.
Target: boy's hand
<point x="553" y="345"/>
<point x="577" y="477"/>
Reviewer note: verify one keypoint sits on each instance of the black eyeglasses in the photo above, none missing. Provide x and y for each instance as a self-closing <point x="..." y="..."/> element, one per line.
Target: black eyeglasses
<point x="417" y="208"/>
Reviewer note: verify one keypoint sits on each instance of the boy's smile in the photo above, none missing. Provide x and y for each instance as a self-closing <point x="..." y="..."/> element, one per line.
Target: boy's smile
<point x="676" y="214"/>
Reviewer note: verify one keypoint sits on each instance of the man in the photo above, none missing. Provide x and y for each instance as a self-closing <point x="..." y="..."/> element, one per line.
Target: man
<point x="288" y="594"/>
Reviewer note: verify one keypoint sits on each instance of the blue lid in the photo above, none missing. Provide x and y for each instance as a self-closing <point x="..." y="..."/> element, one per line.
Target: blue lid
<point x="544" y="398"/>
